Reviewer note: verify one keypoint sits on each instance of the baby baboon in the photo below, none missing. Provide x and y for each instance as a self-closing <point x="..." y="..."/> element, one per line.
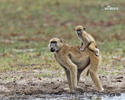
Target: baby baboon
<point x="74" y="62"/>
<point x="87" y="40"/>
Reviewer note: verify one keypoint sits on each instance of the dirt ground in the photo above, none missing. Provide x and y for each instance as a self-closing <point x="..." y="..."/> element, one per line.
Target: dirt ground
<point x="25" y="84"/>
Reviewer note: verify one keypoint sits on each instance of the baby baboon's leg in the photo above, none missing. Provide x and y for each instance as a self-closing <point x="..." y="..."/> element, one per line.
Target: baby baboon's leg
<point x="93" y="47"/>
<point x="96" y="80"/>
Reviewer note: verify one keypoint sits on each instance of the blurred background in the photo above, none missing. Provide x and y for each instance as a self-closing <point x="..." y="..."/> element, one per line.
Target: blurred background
<point x="26" y="26"/>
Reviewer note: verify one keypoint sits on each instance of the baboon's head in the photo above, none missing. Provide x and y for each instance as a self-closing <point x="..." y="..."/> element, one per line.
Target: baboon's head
<point x="55" y="44"/>
<point x="79" y="29"/>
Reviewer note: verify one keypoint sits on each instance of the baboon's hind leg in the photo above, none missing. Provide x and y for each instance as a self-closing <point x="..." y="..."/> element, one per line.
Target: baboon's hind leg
<point x="96" y="80"/>
<point x="78" y="75"/>
<point x="68" y="78"/>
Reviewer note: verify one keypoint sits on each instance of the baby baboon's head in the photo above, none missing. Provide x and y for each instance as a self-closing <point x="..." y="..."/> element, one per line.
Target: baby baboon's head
<point x="79" y="29"/>
<point x="55" y="44"/>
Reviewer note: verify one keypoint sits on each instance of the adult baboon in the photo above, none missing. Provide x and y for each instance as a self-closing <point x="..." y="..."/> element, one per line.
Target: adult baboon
<point x="74" y="62"/>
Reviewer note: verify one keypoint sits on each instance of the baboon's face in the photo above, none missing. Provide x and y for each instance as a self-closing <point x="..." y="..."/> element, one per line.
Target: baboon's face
<point x="79" y="29"/>
<point x="55" y="44"/>
<point x="79" y="32"/>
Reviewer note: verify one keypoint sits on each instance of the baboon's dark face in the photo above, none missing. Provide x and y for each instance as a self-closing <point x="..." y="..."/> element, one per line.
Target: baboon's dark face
<point x="53" y="46"/>
<point x="79" y="32"/>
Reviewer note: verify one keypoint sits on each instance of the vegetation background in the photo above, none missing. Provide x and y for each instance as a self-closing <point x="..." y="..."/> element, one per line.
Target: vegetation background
<point x="26" y="26"/>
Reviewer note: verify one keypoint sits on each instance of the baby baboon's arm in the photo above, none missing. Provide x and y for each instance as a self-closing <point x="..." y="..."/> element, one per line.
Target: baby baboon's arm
<point x="83" y="45"/>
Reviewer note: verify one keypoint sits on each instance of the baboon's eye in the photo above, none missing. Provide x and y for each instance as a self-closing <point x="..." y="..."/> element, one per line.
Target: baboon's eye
<point x="79" y="29"/>
<point x="61" y="40"/>
<point x="54" y="42"/>
<point x="84" y="28"/>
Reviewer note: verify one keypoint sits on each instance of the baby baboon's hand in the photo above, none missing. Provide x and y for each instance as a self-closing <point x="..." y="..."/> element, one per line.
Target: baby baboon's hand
<point x="81" y="49"/>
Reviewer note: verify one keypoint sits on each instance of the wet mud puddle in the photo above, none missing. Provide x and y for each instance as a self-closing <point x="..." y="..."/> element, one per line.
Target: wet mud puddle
<point x="71" y="97"/>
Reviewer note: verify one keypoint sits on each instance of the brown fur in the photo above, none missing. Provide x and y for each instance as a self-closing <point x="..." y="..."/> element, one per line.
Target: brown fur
<point x="74" y="62"/>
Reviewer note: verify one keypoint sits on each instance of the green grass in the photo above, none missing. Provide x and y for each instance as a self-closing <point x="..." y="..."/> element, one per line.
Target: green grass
<point x="26" y="26"/>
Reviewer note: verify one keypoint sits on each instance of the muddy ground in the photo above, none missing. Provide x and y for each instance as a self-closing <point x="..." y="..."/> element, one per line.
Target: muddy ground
<point x="24" y="84"/>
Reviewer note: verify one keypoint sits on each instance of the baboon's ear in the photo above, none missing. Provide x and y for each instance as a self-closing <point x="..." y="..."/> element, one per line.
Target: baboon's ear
<point x="84" y="28"/>
<point x="61" y="40"/>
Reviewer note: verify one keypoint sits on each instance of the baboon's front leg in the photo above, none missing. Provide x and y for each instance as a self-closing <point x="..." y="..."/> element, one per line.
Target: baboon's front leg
<point x="73" y="74"/>
<point x="96" y="80"/>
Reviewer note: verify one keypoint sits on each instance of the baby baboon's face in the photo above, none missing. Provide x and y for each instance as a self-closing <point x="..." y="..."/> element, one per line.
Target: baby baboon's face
<point x="79" y="30"/>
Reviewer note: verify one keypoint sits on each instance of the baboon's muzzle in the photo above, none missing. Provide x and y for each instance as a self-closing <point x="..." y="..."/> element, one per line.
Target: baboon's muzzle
<point x="79" y="32"/>
<point x="52" y="49"/>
